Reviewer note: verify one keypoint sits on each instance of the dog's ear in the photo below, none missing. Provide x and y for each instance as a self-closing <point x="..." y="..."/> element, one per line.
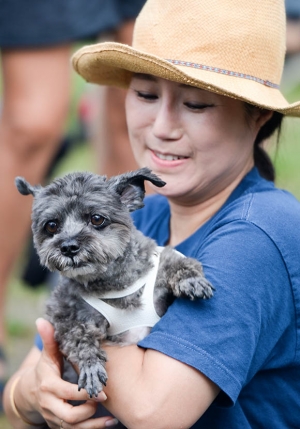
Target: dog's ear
<point x="25" y="188"/>
<point x="130" y="187"/>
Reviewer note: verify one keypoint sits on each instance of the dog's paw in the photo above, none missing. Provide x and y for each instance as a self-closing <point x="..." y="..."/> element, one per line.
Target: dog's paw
<point x="195" y="287"/>
<point x="92" y="377"/>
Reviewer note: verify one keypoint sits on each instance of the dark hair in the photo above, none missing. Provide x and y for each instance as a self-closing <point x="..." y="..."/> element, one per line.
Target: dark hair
<point x="261" y="158"/>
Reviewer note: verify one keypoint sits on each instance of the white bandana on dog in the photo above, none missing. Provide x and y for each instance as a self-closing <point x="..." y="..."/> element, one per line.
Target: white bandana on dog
<point x="121" y="320"/>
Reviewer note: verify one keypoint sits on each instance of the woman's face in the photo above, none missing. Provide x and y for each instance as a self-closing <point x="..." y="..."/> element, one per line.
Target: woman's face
<point x="197" y="141"/>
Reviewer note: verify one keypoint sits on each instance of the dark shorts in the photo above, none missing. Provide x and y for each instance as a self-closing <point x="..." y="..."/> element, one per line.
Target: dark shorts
<point x="292" y="9"/>
<point x="39" y="23"/>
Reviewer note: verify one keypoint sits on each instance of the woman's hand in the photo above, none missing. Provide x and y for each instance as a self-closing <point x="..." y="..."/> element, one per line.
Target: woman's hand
<point x="42" y="395"/>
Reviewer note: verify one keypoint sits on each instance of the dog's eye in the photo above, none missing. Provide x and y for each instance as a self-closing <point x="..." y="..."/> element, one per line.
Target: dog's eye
<point x="98" y="220"/>
<point x="51" y="227"/>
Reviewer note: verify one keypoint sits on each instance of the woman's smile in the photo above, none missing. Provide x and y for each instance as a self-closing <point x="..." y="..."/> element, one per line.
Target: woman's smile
<point x="168" y="157"/>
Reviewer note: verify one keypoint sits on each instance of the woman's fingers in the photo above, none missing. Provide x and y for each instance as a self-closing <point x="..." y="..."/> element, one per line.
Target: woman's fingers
<point x="79" y="417"/>
<point x="69" y="391"/>
<point x="53" y="356"/>
<point x="70" y="414"/>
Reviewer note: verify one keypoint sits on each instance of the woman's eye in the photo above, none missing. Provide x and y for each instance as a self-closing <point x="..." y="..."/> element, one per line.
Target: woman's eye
<point x="51" y="227"/>
<point x="97" y="220"/>
<point x="197" y="106"/>
<point x="146" y="95"/>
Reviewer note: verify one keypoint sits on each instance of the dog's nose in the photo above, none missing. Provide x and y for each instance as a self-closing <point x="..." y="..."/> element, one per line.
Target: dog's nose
<point x="69" y="248"/>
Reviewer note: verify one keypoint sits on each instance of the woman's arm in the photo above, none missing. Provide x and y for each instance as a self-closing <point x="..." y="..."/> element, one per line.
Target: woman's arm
<point x="147" y="389"/>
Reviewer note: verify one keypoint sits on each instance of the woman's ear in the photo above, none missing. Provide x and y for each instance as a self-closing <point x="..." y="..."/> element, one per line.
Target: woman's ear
<point x="263" y="117"/>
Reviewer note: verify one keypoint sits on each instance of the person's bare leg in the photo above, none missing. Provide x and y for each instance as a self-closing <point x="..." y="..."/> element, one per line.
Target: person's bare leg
<point x="293" y="36"/>
<point x="112" y="143"/>
<point x="35" y="104"/>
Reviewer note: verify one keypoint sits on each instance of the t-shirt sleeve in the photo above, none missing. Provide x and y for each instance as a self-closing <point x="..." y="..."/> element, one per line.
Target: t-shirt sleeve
<point x="231" y="336"/>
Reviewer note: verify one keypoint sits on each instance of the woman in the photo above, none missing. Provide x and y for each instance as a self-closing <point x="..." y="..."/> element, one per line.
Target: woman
<point x="203" y="95"/>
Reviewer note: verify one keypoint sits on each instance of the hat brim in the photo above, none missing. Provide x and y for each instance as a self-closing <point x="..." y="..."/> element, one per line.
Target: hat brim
<point x="113" y="64"/>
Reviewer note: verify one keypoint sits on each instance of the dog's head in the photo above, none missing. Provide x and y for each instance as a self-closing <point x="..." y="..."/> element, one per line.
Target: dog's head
<point x="82" y="222"/>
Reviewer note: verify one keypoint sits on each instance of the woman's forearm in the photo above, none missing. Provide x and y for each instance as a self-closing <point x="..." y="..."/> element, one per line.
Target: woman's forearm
<point x="148" y="389"/>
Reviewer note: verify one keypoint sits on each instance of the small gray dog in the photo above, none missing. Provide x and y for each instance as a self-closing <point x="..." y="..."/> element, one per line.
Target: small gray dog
<point x="82" y="228"/>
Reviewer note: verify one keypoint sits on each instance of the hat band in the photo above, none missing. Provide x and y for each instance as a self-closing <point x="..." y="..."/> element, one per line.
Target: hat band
<point x="223" y="71"/>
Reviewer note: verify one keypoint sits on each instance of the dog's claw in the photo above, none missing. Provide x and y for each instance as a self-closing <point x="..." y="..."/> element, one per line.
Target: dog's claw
<point x="196" y="287"/>
<point x="92" y="378"/>
<point x="102" y="378"/>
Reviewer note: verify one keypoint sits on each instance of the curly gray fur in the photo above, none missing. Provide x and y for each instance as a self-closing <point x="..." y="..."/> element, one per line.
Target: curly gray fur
<point x="82" y="228"/>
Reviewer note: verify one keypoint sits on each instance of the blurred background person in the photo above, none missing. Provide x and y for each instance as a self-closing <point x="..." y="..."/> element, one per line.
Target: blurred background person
<point x="36" y="39"/>
<point x="291" y="75"/>
<point x="293" y="26"/>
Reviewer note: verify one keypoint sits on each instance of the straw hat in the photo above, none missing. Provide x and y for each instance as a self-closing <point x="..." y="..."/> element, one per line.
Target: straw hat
<point x="231" y="47"/>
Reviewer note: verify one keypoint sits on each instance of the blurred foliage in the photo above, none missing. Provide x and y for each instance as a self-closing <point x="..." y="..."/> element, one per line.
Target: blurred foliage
<point x="17" y="328"/>
<point x="286" y="155"/>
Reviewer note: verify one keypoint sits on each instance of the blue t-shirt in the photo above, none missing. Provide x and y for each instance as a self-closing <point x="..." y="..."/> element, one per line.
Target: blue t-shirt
<point x="246" y="338"/>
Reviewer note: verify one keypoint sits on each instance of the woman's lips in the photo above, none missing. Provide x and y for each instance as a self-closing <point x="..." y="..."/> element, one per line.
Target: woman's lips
<point x="167" y="159"/>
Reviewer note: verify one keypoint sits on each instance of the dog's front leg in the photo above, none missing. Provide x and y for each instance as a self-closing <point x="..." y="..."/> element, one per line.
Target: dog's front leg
<point x="182" y="277"/>
<point x="80" y="342"/>
<point x="91" y="363"/>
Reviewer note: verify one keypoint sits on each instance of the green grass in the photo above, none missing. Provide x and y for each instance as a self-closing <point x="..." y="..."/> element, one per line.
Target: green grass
<point x="286" y="157"/>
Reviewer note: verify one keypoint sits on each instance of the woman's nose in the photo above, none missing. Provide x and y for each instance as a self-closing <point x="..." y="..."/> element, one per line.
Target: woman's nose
<point x="167" y="124"/>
